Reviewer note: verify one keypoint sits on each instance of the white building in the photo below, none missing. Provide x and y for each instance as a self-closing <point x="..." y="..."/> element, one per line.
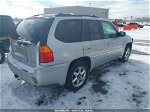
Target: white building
<point x="79" y="10"/>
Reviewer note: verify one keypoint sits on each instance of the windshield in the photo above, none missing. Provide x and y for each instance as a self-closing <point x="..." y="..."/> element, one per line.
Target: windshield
<point x="35" y="30"/>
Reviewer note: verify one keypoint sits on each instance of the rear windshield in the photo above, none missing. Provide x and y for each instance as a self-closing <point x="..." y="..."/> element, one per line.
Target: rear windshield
<point x="7" y="26"/>
<point x="35" y="30"/>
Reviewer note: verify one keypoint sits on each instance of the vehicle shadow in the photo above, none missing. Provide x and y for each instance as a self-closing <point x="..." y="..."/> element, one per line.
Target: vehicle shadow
<point x="142" y="44"/>
<point x="37" y="96"/>
<point x="139" y="52"/>
<point x="144" y="41"/>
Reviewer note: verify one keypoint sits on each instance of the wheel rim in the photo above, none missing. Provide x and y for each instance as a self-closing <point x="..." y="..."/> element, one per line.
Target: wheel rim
<point x="127" y="54"/>
<point x="79" y="76"/>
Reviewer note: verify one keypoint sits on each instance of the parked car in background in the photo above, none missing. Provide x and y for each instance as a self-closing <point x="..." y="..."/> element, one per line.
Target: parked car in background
<point x="62" y="49"/>
<point x="139" y="25"/>
<point x="119" y="24"/>
<point x="147" y="24"/>
<point x="7" y="29"/>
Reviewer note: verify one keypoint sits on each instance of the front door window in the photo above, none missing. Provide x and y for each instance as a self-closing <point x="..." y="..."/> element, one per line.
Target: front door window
<point x="109" y="31"/>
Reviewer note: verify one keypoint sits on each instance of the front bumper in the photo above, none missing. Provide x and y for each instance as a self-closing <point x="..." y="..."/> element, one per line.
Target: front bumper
<point x="39" y="76"/>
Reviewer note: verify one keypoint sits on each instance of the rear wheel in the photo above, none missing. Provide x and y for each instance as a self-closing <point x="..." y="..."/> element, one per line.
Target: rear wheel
<point x="2" y="56"/>
<point x="126" y="54"/>
<point x="77" y="76"/>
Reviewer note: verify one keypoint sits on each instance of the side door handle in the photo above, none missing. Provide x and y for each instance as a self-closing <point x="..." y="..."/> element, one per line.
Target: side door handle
<point x="88" y="48"/>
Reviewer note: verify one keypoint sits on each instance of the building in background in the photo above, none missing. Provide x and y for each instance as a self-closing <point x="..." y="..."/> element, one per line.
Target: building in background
<point x="16" y="20"/>
<point x="79" y="10"/>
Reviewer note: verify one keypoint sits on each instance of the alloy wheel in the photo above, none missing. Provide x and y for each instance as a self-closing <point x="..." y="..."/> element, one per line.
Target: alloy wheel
<point x="79" y="76"/>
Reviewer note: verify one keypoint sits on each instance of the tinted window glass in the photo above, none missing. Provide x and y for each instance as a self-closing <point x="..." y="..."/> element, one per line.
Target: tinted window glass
<point x="7" y="26"/>
<point x="94" y="30"/>
<point x="109" y="30"/>
<point x="35" y="30"/>
<point x="85" y="31"/>
<point x="69" y="30"/>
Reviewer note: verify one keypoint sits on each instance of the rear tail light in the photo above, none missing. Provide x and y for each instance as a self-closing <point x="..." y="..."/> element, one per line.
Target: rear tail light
<point x="45" y="54"/>
<point x="10" y="40"/>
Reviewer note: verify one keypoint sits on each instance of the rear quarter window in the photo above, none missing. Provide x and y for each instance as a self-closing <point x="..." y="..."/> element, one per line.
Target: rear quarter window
<point x="69" y="30"/>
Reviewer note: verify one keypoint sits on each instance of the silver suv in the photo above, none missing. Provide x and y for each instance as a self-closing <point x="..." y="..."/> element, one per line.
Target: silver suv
<point x="63" y="49"/>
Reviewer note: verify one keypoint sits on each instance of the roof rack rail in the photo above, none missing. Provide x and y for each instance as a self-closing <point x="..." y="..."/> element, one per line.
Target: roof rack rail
<point x="38" y="14"/>
<point x="65" y="15"/>
<point x="73" y="15"/>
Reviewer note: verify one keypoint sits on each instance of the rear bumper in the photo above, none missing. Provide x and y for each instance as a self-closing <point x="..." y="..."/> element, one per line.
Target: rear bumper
<point x="40" y="75"/>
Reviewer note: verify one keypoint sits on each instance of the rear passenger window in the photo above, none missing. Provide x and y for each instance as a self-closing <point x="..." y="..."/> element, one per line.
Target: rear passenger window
<point x="85" y="31"/>
<point x="69" y="30"/>
<point x="94" y="29"/>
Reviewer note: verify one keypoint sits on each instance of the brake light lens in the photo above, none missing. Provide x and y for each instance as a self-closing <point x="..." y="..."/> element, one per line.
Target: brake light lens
<point x="10" y="40"/>
<point x="45" y="54"/>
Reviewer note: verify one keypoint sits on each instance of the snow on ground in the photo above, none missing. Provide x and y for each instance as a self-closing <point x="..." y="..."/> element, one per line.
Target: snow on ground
<point x="112" y="86"/>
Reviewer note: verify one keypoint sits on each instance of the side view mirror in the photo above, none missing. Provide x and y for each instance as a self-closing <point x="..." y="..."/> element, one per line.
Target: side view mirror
<point x="121" y="34"/>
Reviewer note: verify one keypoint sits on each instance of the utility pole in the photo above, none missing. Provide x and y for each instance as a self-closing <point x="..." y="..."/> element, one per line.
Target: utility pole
<point x="89" y="4"/>
<point x="131" y="18"/>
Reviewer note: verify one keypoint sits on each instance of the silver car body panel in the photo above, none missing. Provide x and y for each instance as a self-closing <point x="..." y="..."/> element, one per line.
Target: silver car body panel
<point x="99" y="51"/>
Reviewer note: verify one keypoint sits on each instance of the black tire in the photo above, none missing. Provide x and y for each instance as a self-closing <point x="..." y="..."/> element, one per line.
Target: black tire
<point x="124" y="57"/>
<point x="2" y="56"/>
<point x="73" y="69"/>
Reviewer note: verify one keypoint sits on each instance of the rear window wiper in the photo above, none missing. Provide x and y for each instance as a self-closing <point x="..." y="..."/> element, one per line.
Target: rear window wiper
<point x="21" y="42"/>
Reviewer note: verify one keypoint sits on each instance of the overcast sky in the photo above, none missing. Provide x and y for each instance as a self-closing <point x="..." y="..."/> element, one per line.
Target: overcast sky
<point x="118" y="8"/>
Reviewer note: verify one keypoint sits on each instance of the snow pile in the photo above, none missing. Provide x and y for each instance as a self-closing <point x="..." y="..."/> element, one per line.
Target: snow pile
<point x="112" y="86"/>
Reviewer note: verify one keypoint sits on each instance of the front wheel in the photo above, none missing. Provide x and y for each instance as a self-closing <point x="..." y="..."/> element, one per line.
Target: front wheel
<point x="77" y="76"/>
<point x="126" y="54"/>
<point x="2" y="56"/>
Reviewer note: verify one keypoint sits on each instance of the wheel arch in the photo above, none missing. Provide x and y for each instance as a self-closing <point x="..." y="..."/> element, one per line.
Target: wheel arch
<point x="86" y="60"/>
<point x="129" y="44"/>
